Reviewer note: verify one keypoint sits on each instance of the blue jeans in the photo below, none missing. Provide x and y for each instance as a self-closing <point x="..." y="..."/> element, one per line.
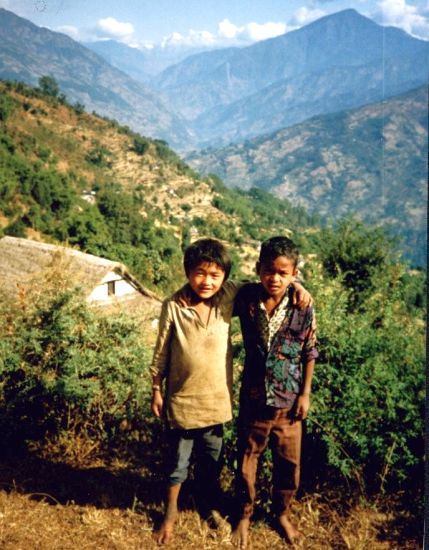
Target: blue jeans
<point x="207" y="446"/>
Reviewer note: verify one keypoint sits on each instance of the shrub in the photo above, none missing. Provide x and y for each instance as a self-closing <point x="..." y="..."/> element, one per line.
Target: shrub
<point x="79" y="108"/>
<point x="67" y="372"/>
<point x="369" y="379"/>
<point x="49" y="86"/>
<point x="140" y="145"/>
<point x="7" y="105"/>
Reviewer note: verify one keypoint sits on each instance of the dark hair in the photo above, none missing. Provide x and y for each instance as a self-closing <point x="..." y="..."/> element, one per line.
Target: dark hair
<point x="278" y="246"/>
<point x="207" y="250"/>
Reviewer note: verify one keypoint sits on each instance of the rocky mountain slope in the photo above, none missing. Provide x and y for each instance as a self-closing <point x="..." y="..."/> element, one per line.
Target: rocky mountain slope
<point x="27" y="52"/>
<point x="370" y="161"/>
<point x="337" y="62"/>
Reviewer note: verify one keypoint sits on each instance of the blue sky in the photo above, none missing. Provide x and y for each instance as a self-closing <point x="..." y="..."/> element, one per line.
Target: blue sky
<point x="217" y="23"/>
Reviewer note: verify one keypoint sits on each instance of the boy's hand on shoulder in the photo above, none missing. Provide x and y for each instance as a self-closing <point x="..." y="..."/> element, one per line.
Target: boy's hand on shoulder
<point x="301" y="297"/>
<point x="302" y="406"/>
<point x="157" y="403"/>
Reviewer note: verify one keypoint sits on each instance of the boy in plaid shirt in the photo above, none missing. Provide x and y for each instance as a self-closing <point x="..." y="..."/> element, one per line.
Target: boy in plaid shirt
<point x="279" y="340"/>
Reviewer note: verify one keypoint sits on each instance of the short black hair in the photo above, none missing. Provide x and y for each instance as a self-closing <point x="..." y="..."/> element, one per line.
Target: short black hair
<point x="207" y="250"/>
<point x="278" y="246"/>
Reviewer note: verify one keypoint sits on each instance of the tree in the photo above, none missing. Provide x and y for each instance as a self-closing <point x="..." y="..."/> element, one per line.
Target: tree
<point x="79" y="108"/>
<point x="361" y="256"/>
<point x="49" y="86"/>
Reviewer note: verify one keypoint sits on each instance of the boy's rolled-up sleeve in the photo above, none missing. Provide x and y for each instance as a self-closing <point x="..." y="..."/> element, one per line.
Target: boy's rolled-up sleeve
<point x="161" y="352"/>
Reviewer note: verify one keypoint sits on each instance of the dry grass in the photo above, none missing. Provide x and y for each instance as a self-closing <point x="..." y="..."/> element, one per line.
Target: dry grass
<point x="54" y="506"/>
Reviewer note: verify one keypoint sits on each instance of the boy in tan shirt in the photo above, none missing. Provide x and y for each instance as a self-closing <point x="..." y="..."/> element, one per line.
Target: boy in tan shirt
<point x="193" y="355"/>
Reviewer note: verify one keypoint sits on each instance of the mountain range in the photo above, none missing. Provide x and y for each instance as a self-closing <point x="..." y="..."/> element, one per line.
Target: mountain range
<point x="28" y="52"/>
<point x="338" y="62"/>
<point x="141" y="64"/>
<point x="371" y="161"/>
<point x="318" y="115"/>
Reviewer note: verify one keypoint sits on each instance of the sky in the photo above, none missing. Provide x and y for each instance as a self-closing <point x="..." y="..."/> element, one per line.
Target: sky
<point x="205" y="23"/>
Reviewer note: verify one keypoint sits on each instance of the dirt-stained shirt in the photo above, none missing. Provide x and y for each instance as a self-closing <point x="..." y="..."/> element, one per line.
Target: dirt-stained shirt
<point x="196" y="360"/>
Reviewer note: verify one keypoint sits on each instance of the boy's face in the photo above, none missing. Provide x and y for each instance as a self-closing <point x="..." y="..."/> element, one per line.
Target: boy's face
<point x="206" y="279"/>
<point x="277" y="275"/>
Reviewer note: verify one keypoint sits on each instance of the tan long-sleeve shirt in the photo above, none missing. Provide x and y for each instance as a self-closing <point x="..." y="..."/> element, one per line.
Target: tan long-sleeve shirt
<point x="196" y="360"/>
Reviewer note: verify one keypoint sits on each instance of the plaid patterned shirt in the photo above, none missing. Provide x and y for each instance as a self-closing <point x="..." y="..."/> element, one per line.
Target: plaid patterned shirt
<point x="276" y="348"/>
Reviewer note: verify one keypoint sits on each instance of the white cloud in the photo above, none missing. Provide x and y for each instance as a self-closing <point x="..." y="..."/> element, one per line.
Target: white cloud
<point x="251" y="32"/>
<point x="108" y="28"/>
<point x="228" y="34"/>
<point x="256" y="32"/>
<point x="226" y="29"/>
<point x="400" y="14"/>
<point x="193" y="38"/>
<point x="112" y="28"/>
<point x="303" y="16"/>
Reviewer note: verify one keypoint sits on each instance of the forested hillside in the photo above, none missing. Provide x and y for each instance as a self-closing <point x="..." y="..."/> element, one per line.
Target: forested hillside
<point x="75" y="389"/>
<point x="73" y="177"/>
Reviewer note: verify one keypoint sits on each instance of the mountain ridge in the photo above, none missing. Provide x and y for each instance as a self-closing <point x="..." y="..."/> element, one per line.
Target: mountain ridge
<point x="334" y="164"/>
<point x="29" y="52"/>
<point x="212" y="90"/>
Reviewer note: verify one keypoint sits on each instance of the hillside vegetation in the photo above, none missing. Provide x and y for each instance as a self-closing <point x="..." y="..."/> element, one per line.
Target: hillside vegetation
<point x="74" y="177"/>
<point x="370" y="161"/>
<point x="75" y="389"/>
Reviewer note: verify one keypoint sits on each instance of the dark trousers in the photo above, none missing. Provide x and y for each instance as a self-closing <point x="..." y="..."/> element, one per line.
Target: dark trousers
<point x="207" y="446"/>
<point x="277" y="428"/>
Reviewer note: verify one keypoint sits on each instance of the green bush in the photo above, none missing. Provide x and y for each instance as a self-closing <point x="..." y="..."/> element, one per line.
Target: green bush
<point x="69" y="373"/>
<point x="98" y="156"/>
<point x="49" y="86"/>
<point x="140" y="145"/>
<point x="368" y="405"/>
<point x="7" y="105"/>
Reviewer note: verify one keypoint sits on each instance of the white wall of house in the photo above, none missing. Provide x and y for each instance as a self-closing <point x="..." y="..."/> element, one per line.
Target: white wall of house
<point x="111" y="286"/>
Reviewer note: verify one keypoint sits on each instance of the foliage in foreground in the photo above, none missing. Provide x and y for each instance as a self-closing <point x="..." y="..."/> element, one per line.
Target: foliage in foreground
<point x="369" y="381"/>
<point x="366" y="422"/>
<point x="68" y="374"/>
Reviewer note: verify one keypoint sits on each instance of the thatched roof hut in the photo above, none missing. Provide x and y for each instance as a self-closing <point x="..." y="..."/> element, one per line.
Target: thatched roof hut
<point x="23" y="261"/>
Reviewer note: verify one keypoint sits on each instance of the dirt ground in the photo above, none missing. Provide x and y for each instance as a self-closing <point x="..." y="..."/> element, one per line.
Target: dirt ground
<point x="48" y="505"/>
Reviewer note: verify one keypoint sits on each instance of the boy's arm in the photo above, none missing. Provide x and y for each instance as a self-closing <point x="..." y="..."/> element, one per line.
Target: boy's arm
<point x="310" y="355"/>
<point x="160" y="359"/>
<point x="157" y="399"/>
<point x="303" y="402"/>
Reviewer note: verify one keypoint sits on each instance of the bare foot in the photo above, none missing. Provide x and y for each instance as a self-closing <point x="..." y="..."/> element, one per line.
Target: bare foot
<point x="291" y="533"/>
<point x="239" y="535"/>
<point x="165" y="532"/>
